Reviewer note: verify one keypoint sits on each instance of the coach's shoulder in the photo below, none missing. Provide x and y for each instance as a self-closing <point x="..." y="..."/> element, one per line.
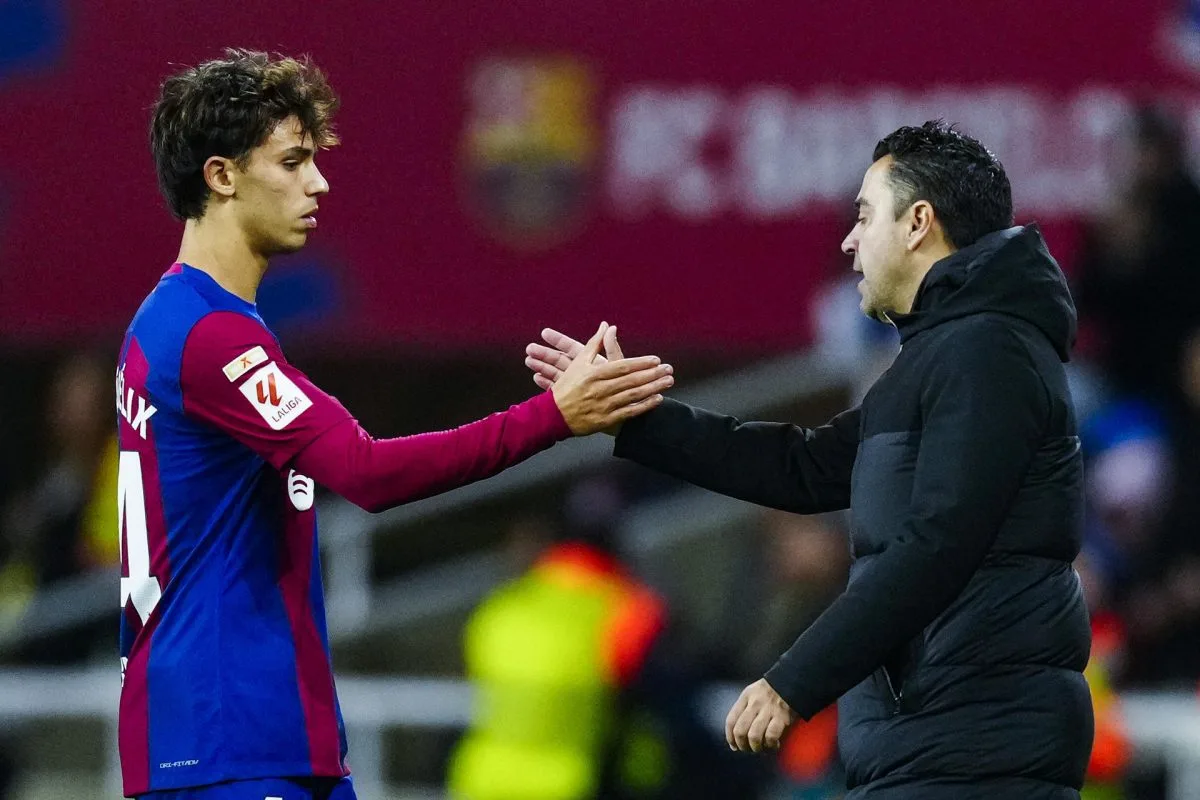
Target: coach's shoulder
<point x="983" y="350"/>
<point x="980" y="335"/>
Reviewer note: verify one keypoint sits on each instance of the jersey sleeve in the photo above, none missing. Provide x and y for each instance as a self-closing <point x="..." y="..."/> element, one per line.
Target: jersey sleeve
<point x="233" y="376"/>
<point x="376" y="474"/>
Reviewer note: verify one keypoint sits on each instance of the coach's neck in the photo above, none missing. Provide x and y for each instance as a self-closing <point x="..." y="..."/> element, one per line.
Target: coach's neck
<point x="932" y="249"/>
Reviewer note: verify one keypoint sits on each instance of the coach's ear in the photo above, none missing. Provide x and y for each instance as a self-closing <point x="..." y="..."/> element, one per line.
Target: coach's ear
<point x="218" y="174"/>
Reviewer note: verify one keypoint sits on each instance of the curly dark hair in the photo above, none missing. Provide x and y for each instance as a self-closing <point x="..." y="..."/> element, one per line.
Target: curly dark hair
<point x="963" y="181"/>
<point x="227" y="107"/>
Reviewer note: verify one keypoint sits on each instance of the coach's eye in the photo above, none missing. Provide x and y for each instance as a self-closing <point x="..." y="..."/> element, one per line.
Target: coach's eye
<point x="291" y="164"/>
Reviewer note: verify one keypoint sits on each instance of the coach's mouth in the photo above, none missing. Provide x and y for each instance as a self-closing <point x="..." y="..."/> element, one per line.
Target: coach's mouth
<point x="310" y="219"/>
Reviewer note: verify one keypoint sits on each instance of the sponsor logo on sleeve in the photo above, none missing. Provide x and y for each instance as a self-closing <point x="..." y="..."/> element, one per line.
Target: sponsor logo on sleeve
<point x="244" y="363"/>
<point x="301" y="489"/>
<point x="274" y="395"/>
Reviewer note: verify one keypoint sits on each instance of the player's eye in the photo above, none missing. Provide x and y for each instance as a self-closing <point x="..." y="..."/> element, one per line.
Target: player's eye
<point x="291" y="165"/>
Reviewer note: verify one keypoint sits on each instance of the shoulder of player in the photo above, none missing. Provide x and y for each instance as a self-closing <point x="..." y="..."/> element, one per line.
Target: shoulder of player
<point x="159" y="332"/>
<point x="230" y="342"/>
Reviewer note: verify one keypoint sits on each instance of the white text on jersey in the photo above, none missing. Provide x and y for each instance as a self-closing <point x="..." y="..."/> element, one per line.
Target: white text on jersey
<point x="125" y="399"/>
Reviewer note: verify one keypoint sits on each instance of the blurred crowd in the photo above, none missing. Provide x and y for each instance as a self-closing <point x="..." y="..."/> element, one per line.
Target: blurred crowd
<point x="58" y="521"/>
<point x="610" y="641"/>
<point x="1135" y="285"/>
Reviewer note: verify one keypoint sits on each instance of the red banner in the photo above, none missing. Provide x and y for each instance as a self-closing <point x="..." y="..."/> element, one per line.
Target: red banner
<point x="684" y="170"/>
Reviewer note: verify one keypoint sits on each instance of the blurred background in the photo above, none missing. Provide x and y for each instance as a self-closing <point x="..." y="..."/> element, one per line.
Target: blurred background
<point x="684" y="171"/>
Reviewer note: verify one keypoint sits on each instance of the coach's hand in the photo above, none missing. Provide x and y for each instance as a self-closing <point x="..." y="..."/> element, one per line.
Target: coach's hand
<point x="598" y="394"/>
<point x="758" y="719"/>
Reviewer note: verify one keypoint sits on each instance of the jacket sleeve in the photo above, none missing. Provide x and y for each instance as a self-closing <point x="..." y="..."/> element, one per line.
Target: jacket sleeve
<point x="806" y="470"/>
<point x="984" y="410"/>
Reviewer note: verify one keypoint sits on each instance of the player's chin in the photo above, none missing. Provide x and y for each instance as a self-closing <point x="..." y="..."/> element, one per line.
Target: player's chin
<point x="292" y="243"/>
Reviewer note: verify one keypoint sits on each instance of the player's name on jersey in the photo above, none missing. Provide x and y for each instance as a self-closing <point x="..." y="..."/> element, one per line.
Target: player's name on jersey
<point x="125" y="406"/>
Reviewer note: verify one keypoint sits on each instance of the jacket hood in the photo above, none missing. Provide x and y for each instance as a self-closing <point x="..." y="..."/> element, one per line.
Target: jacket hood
<point x="1007" y="272"/>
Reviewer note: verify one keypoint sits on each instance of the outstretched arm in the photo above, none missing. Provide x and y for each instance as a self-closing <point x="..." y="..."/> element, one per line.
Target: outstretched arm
<point x="235" y="377"/>
<point x="805" y="470"/>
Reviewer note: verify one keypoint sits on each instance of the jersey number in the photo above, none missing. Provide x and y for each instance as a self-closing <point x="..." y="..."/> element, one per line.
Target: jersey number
<point x="140" y="586"/>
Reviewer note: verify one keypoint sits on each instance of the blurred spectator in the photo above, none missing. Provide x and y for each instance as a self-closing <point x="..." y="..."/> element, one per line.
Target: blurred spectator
<point x="1111" y="748"/>
<point x="1163" y="606"/>
<point x="1181" y="527"/>
<point x="846" y="337"/>
<point x="551" y="654"/>
<point x="8" y="769"/>
<point x="807" y="562"/>
<point x="1138" y="276"/>
<point x="68" y="521"/>
<point x="527" y="538"/>
<point x="1126" y="488"/>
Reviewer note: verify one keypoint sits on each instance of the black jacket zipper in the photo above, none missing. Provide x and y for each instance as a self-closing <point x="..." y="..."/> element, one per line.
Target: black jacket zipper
<point x="896" y="696"/>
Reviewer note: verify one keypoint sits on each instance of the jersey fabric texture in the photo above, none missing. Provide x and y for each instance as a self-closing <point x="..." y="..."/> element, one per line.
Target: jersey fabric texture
<point x="265" y="789"/>
<point x="226" y="672"/>
<point x="225" y="656"/>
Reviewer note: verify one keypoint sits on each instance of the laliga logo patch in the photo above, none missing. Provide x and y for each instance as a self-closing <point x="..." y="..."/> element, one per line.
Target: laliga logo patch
<point x="301" y="490"/>
<point x="275" y="397"/>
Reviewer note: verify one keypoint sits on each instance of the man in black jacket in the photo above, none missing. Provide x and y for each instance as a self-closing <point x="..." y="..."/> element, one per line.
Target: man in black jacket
<point x="958" y="646"/>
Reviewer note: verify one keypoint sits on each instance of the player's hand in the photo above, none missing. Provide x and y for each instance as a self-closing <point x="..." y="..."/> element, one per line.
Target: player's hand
<point x="597" y="394"/>
<point x="548" y="363"/>
<point x="758" y="719"/>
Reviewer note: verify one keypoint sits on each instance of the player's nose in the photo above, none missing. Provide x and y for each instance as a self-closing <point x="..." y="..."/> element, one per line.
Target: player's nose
<point x="318" y="185"/>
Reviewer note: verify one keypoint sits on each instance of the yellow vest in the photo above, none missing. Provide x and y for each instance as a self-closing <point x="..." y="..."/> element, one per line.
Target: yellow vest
<point x="540" y="653"/>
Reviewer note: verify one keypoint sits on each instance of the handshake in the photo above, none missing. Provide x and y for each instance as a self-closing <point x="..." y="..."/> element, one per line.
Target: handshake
<point x="597" y="392"/>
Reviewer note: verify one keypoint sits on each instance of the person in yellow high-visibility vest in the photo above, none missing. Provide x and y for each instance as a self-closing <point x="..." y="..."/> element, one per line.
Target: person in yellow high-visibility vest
<point x="549" y="654"/>
<point x="1111" y="748"/>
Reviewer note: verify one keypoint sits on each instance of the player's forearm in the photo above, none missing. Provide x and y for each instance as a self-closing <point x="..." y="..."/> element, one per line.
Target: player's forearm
<point x="772" y="464"/>
<point x="376" y="474"/>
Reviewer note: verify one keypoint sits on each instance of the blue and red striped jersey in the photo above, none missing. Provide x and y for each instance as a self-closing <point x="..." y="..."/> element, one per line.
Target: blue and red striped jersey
<point x="226" y="671"/>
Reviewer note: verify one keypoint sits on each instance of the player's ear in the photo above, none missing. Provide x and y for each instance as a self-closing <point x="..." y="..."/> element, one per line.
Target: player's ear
<point x="219" y="175"/>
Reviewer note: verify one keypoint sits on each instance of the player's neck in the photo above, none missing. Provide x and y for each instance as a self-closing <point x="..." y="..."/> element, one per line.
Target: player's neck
<point x="223" y="254"/>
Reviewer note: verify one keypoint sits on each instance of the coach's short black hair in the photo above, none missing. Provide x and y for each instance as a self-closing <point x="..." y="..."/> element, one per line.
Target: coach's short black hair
<point x="227" y="107"/>
<point x="963" y="181"/>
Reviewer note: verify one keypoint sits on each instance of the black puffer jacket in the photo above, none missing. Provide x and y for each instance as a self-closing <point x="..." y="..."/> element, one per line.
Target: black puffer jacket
<point x="959" y="644"/>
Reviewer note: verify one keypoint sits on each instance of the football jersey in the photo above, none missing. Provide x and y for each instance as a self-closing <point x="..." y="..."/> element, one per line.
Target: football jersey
<point x="226" y="670"/>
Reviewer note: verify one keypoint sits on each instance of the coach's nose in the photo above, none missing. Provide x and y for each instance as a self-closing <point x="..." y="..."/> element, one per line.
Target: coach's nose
<point x="850" y="243"/>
